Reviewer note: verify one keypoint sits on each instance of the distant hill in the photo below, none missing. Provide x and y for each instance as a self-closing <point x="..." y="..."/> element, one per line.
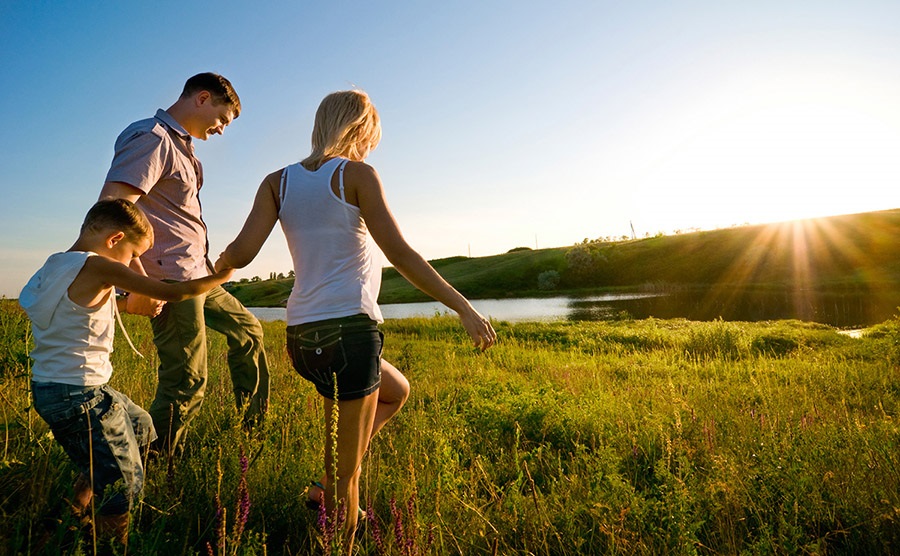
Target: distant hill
<point x="849" y="252"/>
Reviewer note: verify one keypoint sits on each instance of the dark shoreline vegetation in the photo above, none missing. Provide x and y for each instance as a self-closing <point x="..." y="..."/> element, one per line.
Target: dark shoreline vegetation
<point x="622" y="437"/>
<point x="855" y="254"/>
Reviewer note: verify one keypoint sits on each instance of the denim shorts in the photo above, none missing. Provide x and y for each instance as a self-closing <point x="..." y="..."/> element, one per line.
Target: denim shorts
<point x="103" y="432"/>
<point x="341" y="357"/>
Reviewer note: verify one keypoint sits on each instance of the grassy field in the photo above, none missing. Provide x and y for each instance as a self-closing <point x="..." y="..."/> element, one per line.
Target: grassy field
<point x="629" y="437"/>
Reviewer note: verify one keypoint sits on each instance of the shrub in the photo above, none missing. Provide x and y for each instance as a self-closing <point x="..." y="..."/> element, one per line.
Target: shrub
<point x="548" y="280"/>
<point x="776" y="345"/>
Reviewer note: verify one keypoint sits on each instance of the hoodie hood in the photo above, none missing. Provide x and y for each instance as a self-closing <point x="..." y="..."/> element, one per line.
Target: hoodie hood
<point x="44" y="291"/>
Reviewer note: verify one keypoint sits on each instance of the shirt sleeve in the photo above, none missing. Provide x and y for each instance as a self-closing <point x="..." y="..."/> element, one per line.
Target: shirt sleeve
<point x="140" y="159"/>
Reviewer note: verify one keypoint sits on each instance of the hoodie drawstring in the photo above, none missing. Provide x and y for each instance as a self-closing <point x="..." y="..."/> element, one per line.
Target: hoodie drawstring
<point x="122" y="328"/>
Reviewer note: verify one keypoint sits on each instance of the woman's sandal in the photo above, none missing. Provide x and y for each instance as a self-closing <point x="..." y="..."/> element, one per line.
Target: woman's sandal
<point x="316" y="504"/>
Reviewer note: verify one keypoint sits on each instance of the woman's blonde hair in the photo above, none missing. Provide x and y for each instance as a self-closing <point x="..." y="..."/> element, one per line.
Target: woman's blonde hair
<point x="347" y="126"/>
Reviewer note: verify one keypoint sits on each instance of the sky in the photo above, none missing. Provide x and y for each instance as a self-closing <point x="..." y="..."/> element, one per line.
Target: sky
<point x="505" y="123"/>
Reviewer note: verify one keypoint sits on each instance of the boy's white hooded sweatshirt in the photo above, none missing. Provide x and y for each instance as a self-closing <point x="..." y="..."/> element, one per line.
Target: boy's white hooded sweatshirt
<point x="71" y="343"/>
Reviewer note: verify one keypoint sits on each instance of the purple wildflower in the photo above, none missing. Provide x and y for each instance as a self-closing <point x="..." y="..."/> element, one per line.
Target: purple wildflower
<point x="430" y="542"/>
<point x="399" y="535"/>
<point x="372" y="520"/>
<point x="245" y="463"/>
<point x="322" y="522"/>
<point x="220" y="526"/>
<point x="412" y="533"/>
<point x="242" y="512"/>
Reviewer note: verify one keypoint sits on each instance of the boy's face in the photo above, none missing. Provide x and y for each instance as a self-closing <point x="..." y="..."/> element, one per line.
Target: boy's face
<point x="126" y="250"/>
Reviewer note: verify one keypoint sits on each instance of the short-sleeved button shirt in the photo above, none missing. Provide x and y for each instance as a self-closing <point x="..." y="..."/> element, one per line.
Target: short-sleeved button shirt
<point x="156" y="155"/>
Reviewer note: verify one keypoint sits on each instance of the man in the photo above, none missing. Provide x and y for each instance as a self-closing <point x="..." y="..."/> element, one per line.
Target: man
<point x="154" y="166"/>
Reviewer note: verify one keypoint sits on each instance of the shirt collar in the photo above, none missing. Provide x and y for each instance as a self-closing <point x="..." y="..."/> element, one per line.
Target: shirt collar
<point x="167" y="119"/>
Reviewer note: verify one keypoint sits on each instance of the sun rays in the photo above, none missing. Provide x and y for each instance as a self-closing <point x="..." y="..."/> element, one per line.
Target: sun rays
<point x="801" y="260"/>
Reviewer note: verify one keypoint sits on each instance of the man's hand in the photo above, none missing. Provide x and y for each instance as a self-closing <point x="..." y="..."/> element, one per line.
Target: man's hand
<point x="137" y="304"/>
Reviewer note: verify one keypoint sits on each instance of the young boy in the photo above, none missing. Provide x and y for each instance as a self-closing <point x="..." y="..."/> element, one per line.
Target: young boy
<point x="71" y="302"/>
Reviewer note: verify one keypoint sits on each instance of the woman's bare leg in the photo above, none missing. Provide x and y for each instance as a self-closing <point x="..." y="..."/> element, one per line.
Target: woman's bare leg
<point x="392" y="394"/>
<point x="354" y="428"/>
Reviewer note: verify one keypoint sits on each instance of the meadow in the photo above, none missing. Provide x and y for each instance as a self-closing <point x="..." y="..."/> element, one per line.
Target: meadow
<point x="620" y="437"/>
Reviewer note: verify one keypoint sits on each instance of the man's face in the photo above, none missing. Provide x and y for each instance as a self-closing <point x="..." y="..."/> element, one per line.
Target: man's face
<point x="212" y="118"/>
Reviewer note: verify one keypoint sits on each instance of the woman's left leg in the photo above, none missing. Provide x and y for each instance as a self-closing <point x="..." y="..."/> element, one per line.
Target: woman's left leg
<point x="344" y="455"/>
<point x="392" y="394"/>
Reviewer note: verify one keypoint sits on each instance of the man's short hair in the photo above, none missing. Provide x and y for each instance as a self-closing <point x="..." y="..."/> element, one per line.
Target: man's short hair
<point x="220" y="88"/>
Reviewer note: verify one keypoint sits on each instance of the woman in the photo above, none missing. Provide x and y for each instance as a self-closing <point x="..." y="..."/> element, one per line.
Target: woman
<point x="328" y="204"/>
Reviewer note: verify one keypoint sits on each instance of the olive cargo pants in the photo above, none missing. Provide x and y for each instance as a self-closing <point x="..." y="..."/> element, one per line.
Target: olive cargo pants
<point x="179" y="333"/>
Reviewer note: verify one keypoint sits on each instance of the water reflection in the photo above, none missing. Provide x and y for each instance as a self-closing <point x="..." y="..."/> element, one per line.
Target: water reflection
<point x="513" y="310"/>
<point x="840" y="309"/>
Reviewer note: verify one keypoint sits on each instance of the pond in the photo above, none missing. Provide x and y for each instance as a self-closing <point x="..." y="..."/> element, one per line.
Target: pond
<point x="843" y="310"/>
<point x="522" y="309"/>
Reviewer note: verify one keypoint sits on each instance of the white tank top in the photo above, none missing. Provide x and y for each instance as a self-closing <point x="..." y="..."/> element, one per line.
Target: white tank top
<point x="337" y="266"/>
<point x="73" y="346"/>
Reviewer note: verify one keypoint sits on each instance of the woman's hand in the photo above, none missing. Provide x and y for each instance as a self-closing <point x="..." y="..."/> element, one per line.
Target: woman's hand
<point x="222" y="263"/>
<point x="479" y="329"/>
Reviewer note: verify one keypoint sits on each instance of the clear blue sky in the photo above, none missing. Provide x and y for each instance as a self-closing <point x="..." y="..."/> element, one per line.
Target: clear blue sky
<point x="506" y="124"/>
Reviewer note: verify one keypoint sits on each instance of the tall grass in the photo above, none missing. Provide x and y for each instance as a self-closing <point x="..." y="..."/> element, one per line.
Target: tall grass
<point x="628" y="437"/>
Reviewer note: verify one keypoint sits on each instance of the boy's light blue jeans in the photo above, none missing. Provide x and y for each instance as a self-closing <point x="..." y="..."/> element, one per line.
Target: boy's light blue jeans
<point x="104" y="434"/>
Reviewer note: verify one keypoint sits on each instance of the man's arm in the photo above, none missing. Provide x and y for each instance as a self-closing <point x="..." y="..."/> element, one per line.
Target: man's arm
<point x="119" y="190"/>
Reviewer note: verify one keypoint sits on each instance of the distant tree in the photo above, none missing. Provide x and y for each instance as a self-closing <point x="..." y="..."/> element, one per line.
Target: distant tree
<point x="290" y="274"/>
<point x="586" y="264"/>
<point x="244" y="281"/>
<point x="280" y="276"/>
<point x="517" y="249"/>
<point x="256" y="279"/>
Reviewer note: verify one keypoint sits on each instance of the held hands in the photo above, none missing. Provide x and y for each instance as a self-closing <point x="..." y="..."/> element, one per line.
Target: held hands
<point x="222" y="263"/>
<point x="479" y="329"/>
<point x="138" y="304"/>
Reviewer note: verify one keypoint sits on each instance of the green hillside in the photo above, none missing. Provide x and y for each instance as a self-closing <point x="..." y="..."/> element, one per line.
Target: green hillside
<point x="849" y="252"/>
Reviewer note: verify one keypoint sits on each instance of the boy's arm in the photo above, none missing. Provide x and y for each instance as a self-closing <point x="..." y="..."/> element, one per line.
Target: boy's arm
<point x="112" y="273"/>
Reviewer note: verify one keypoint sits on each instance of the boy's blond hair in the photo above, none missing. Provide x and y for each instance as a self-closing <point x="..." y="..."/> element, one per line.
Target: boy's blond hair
<point x="120" y="215"/>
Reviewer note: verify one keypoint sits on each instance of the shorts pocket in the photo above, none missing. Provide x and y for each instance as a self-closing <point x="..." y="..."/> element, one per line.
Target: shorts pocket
<point x="319" y="353"/>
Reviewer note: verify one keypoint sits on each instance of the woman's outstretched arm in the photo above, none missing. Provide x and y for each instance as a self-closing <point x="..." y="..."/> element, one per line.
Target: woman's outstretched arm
<point x="256" y="230"/>
<point x="363" y="182"/>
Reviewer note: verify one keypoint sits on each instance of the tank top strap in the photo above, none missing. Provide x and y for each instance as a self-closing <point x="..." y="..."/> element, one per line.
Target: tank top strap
<point x="341" y="178"/>
<point x="282" y="188"/>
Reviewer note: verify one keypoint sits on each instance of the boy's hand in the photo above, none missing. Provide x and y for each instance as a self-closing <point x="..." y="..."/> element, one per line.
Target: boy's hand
<point x="138" y="304"/>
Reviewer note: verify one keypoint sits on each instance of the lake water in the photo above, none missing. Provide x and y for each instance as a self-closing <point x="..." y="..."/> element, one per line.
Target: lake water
<point x="843" y="310"/>
<point x="513" y="310"/>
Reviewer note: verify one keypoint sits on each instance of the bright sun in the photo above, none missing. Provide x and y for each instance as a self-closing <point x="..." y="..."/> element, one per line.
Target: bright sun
<point x="779" y="149"/>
